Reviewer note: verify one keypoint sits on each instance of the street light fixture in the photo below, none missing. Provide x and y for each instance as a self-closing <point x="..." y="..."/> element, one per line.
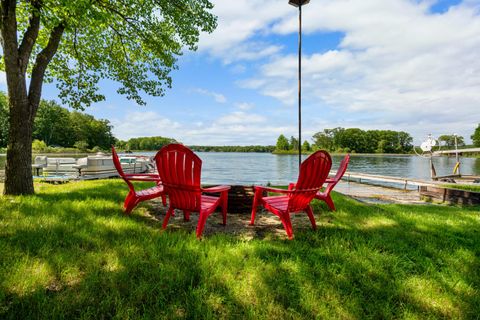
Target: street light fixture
<point x="299" y="4"/>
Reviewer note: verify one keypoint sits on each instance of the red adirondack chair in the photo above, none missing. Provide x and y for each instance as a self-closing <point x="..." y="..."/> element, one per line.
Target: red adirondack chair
<point x="325" y="195"/>
<point x="313" y="172"/>
<point x="180" y="171"/>
<point x="135" y="197"/>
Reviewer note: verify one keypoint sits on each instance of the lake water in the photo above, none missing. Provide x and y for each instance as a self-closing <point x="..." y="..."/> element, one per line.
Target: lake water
<point x="261" y="168"/>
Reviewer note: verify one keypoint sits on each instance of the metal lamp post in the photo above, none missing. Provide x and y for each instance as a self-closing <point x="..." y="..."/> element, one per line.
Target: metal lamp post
<point x="299" y="4"/>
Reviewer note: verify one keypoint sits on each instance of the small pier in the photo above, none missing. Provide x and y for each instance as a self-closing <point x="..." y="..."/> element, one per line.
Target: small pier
<point x="404" y="182"/>
<point x="453" y="152"/>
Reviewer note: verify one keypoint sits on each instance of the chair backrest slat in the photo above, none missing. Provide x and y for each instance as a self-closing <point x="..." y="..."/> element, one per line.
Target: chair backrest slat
<point x="118" y="166"/>
<point x="313" y="173"/>
<point x="180" y="171"/>
<point x="340" y="172"/>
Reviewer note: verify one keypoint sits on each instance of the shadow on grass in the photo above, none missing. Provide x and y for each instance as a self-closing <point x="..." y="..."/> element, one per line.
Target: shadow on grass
<point x="71" y="253"/>
<point x="74" y="254"/>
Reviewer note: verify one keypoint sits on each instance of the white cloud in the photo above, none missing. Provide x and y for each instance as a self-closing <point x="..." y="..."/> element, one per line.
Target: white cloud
<point x="220" y="98"/>
<point x="238" y="22"/>
<point x="236" y="128"/>
<point x="244" y="106"/>
<point x="398" y="65"/>
<point x="238" y="69"/>
<point x="240" y="117"/>
<point x="143" y="124"/>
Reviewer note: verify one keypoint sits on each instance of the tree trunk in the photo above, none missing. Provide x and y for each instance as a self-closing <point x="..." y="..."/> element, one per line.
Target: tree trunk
<point x="18" y="169"/>
<point x="23" y="106"/>
<point x="18" y="173"/>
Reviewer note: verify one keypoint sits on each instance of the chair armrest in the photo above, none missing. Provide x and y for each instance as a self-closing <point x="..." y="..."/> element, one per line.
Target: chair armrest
<point x="216" y="189"/>
<point x="284" y="191"/>
<point x="275" y="190"/>
<point x="143" y="177"/>
<point x="291" y="186"/>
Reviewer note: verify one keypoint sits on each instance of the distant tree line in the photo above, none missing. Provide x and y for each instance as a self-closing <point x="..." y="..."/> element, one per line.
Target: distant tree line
<point x="144" y="143"/>
<point x="361" y="141"/>
<point x="57" y="126"/>
<point x="233" y="148"/>
<point x="449" y="141"/>
<point x="285" y="145"/>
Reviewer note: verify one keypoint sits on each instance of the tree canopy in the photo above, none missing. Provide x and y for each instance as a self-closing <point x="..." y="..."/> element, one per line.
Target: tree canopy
<point x="57" y="126"/>
<point x="360" y="141"/>
<point x="282" y="143"/>
<point x="145" y="143"/>
<point x="476" y="136"/>
<point x="449" y="140"/>
<point x="79" y="43"/>
<point x="133" y="42"/>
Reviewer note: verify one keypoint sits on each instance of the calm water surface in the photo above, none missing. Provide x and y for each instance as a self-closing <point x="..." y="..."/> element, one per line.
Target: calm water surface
<point x="261" y="168"/>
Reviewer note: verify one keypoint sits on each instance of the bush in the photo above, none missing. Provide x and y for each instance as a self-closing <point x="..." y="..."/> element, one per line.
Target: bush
<point x="38" y="145"/>
<point x="81" y="145"/>
<point x="96" y="149"/>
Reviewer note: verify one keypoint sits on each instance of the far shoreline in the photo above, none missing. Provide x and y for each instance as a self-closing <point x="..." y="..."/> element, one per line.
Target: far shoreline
<point x="84" y="154"/>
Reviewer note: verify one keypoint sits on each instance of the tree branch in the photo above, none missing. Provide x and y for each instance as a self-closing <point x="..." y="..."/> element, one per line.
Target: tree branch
<point x="127" y="19"/>
<point x="40" y="66"/>
<point x="8" y="29"/>
<point x="30" y="37"/>
<point x="120" y="37"/>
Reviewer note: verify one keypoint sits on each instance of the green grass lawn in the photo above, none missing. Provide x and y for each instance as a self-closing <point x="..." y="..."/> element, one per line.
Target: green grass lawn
<point x="69" y="252"/>
<point x="468" y="187"/>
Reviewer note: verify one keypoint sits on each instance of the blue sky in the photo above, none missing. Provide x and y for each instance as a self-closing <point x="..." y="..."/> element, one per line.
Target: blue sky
<point x="373" y="64"/>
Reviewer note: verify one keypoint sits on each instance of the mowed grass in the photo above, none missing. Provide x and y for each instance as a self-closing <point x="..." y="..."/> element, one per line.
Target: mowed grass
<point x="69" y="252"/>
<point x="468" y="187"/>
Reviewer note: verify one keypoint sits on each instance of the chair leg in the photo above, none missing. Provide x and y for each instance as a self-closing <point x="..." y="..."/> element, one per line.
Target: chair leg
<point x="330" y="203"/>
<point x="256" y="198"/>
<point x="164" y="200"/>
<point x="167" y="217"/>
<point x="130" y="202"/>
<point x="202" y="219"/>
<point x="311" y="217"/>
<point x="186" y="215"/>
<point x="254" y="213"/>
<point x="287" y="224"/>
<point x="224" y="207"/>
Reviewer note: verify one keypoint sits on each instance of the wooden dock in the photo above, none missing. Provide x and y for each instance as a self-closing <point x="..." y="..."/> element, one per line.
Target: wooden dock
<point x="459" y="151"/>
<point x="358" y="177"/>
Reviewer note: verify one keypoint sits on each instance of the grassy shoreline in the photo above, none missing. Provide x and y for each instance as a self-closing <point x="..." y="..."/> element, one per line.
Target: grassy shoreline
<point x="467" y="187"/>
<point x="69" y="252"/>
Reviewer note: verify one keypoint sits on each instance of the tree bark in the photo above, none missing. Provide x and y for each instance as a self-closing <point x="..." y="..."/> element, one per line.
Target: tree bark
<point x="18" y="174"/>
<point x="18" y="169"/>
<point x="23" y="106"/>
